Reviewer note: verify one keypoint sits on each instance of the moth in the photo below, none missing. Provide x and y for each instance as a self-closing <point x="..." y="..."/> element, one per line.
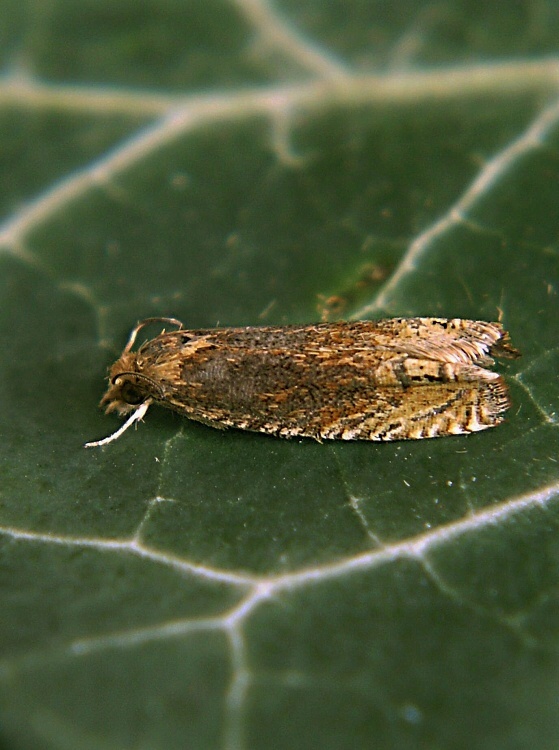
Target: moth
<point x="394" y="379"/>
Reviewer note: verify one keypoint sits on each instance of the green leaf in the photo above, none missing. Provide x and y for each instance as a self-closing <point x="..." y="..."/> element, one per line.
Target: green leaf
<point x="245" y="164"/>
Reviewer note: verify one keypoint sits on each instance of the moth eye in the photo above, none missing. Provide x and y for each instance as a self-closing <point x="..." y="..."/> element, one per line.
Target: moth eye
<point x="131" y="393"/>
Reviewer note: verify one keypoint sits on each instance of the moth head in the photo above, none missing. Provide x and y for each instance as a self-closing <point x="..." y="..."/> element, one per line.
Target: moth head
<point x="127" y="387"/>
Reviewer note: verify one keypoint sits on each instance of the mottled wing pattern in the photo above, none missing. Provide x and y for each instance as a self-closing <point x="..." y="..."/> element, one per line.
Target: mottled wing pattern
<point x="385" y="380"/>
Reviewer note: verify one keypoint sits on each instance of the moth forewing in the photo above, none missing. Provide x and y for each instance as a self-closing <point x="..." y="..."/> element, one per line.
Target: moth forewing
<point x="394" y="379"/>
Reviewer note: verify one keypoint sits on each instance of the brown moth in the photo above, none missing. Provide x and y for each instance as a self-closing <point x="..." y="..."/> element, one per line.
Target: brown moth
<point x="394" y="379"/>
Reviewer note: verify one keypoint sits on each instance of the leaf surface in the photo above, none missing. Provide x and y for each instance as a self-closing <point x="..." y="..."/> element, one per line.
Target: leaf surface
<point x="244" y="164"/>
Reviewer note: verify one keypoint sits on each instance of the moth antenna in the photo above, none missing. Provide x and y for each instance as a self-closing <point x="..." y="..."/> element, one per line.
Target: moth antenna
<point x="140" y="375"/>
<point x="147" y="321"/>
<point x="136" y="415"/>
